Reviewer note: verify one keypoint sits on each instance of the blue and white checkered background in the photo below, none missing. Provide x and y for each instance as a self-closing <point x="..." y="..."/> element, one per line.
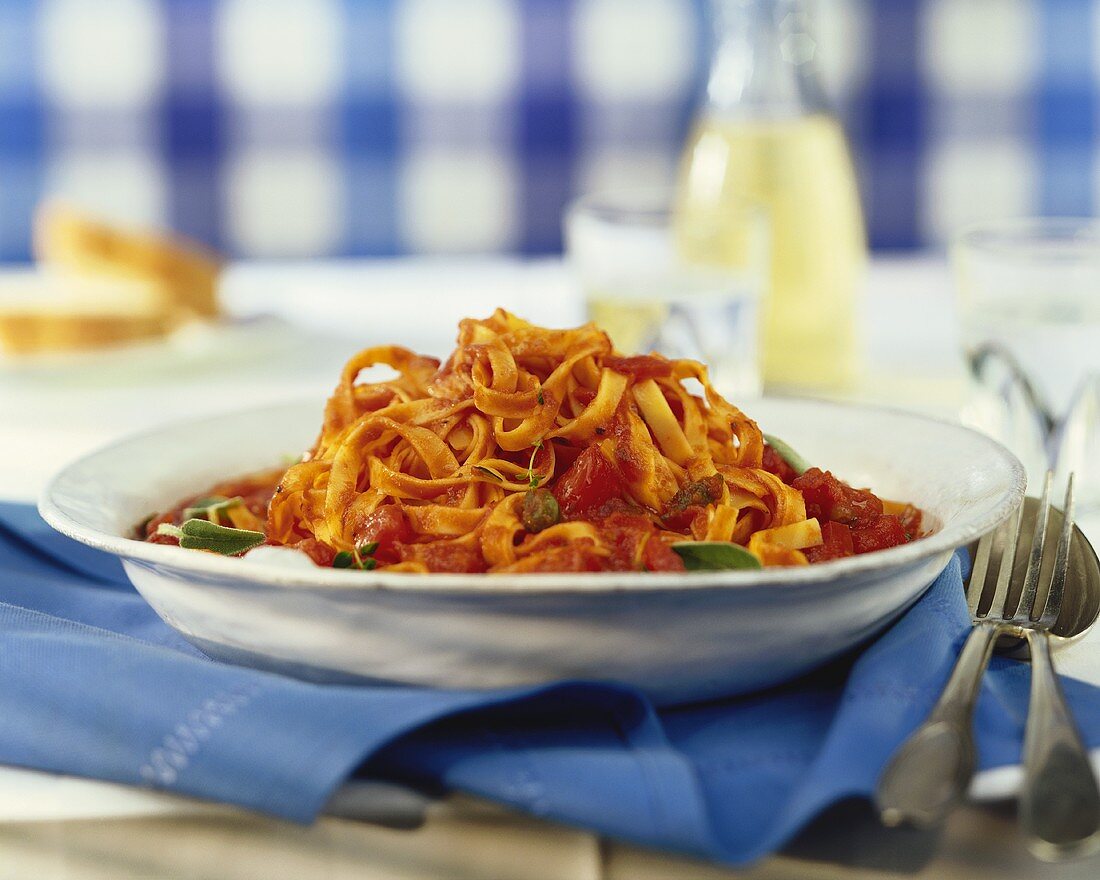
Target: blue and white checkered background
<point x="337" y="127"/>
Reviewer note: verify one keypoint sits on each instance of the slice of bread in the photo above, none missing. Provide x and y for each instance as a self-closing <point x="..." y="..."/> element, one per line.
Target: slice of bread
<point x="185" y="272"/>
<point x="45" y="312"/>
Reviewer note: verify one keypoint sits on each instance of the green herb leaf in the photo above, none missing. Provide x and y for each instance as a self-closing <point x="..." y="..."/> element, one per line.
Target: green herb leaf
<point x="796" y="461"/>
<point x="351" y="559"/>
<point x="368" y="548"/>
<point x="343" y="559"/>
<point x="715" y="556"/>
<point x="489" y="472"/>
<point x="209" y="508"/>
<point x="533" y="479"/>
<point x="201" y="534"/>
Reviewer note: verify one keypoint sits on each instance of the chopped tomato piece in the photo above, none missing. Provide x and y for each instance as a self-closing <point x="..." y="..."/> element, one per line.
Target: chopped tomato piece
<point x="442" y="556"/>
<point x="682" y="519"/>
<point x="659" y="556"/>
<point x="589" y="484"/>
<point x="827" y="498"/>
<point x="565" y="455"/>
<point x="625" y="533"/>
<point x="836" y="543"/>
<point x="774" y="463"/>
<point x="387" y="525"/>
<point x="886" y="531"/>
<point x="642" y="366"/>
<point x="321" y="554"/>
<point x="911" y="518"/>
<point x="627" y="547"/>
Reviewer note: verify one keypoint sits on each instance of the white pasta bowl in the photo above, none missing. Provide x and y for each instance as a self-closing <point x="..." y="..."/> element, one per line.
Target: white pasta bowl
<point x="677" y="637"/>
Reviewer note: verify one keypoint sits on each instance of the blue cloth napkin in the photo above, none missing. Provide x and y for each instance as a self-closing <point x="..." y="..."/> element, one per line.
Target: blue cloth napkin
<point x="92" y="683"/>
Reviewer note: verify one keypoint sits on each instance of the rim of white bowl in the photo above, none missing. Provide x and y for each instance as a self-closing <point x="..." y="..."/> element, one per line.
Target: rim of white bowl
<point x="209" y="565"/>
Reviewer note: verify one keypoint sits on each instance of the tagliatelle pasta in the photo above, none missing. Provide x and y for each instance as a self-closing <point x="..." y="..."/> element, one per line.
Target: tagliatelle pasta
<point x="546" y="450"/>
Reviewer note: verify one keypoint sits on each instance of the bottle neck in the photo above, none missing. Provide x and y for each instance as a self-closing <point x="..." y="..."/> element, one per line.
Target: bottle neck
<point x="764" y="64"/>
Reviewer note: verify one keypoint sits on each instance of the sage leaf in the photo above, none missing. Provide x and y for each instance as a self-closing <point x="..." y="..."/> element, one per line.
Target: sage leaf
<point x="209" y="508"/>
<point x="201" y="534"/>
<point x="798" y="464"/>
<point x="715" y="556"/>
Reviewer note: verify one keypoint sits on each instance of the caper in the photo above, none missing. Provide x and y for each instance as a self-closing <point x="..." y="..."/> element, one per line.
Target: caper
<point x="540" y="510"/>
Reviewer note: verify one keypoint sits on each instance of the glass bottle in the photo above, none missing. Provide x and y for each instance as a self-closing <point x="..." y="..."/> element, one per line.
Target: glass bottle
<point x="766" y="134"/>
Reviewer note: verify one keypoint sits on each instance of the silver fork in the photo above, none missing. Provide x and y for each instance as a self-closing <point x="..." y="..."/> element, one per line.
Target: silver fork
<point x="1059" y="803"/>
<point x="931" y="771"/>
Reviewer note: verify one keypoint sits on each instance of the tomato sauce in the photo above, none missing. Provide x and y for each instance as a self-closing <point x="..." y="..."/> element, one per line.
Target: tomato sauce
<point x="588" y="485"/>
<point x="593" y="488"/>
<point x="852" y="521"/>
<point x="389" y="528"/>
<point x="639" y="367"/>
<point x="255" y="491"/>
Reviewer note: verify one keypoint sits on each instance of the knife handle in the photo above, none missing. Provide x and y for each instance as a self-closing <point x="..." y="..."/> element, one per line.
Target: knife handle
<point x="1059" y="801"/>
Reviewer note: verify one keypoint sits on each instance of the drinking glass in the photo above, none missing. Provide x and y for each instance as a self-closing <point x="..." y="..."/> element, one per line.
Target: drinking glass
<point x="625" y="252"/>
<point x="1029" y="304"/>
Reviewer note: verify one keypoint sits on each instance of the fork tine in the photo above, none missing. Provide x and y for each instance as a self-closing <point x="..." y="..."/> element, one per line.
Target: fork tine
<point x="1030" y="588"/>
<point x="1004" y="573"/>
<point x="1061" y="561"/>
<point x="978" y="572"/>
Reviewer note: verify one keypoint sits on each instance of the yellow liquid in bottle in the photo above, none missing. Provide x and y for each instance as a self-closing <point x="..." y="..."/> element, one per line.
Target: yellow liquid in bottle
<point x="629" y="321"/>
<point x="800" y="172"/>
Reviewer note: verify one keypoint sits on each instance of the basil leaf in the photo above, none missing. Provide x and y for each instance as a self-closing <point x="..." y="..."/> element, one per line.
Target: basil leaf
<point x="368" y="548"/>
<point x="715" y="556"/>
<point x="201" y="534"/>
<point x="796" y="461"/>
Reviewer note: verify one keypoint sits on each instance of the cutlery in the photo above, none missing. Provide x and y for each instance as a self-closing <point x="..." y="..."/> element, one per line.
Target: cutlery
<point x="1059" y="807"/>
<point x="930" y="773"/>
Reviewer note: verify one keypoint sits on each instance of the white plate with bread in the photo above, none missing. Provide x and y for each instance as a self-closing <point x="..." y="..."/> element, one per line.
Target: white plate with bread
<point x="104" y="302"/>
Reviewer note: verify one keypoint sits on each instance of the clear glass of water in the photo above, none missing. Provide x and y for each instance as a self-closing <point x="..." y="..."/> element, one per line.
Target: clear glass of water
<point x="624" y="250"/>
<point x="1029" y="301"/>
